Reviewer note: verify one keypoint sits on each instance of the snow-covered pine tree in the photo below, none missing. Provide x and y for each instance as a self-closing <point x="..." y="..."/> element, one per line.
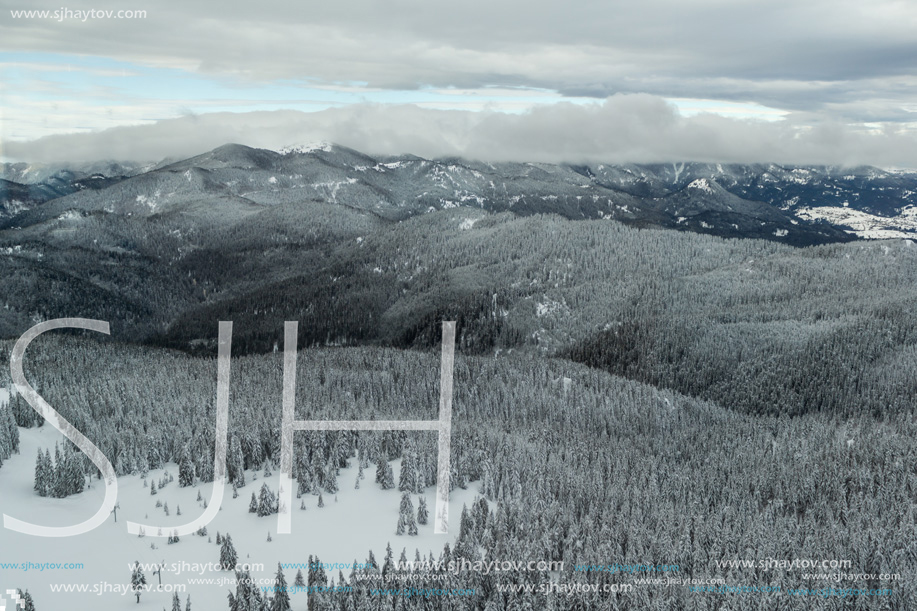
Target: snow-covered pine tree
<point x="27" y="603"/>
<point x="58" y="486"/>
<point x="42" y="474"/>
<point x="73" y="470"/>
<point x="267" y="502"/>
<point x="388" y="477"/>
<point x="236" y="464"/>
<point x="138" y="580"/>
<point x="408" y="472"/>
<point x="281" y="599"/>
<point x="406" y="522"/>
<point x="331" y="477"/>
<point x="423" y="515"/>
<point x="185" y="469"/>
<point x="228" y="556"/>
<point x="389" y="565"/>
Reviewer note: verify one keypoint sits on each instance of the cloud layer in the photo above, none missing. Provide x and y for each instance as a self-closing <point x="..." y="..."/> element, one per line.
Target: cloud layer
<point x="620" y="129"/>
<point x="848" y="60"/>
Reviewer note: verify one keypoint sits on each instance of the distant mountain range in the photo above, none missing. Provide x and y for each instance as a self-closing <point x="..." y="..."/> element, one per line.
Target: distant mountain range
<point x="799" y="206"/>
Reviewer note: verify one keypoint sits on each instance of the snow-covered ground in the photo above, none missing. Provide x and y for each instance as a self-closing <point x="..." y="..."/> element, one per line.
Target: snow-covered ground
<point x="863" y="224"/>
<point x="343" y="531"/>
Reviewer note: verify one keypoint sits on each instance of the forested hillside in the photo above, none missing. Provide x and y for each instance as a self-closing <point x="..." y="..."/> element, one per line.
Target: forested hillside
<point x="580" y="466"/>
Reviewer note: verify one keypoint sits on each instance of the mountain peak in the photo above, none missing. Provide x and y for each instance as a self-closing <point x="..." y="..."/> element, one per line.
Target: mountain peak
<point x="310" y="147"/>
<point x="704" y="184"/>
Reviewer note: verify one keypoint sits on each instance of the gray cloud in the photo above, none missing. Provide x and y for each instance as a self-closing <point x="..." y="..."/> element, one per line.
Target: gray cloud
<point x="785" y="53"/>
<point x="623" y="128"/>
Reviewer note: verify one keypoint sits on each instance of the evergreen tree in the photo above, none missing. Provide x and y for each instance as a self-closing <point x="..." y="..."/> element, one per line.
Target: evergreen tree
<point x="42" y="474"/>
<point x="235" y="465"/>
<point x="423" y="515"/>
<point x="228" y="556"/>
<point x="388" y="477"/>
<point x="389" y="564"/>
<point x="331" y="478"/>
<point x="27" y="603"/>
<point x="267" y="502"/>
<point x="408" y="475"/>
<point x="406" y="523"/>
<point x="73" y="471"/>
<point x="253" y="504"/>
<point x="281" y="599"/>
<point x="58" y="484"/>
<point x="185" y="469"/>
<point x="176" y="603"/>
<point x="138" y="580"/>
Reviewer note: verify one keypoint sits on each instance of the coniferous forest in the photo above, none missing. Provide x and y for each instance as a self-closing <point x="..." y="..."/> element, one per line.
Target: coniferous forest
<point x="621" y="395"/>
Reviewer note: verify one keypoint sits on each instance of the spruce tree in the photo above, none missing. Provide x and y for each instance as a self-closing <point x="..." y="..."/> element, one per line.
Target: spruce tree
<point x="235" y="466"/>
<point x="406" y="523"/>
<point x="228" y="556"/>
<point x="185" y="469"/>
<point x="138" y="580"/>
<point x="408" y="473"/>
<point x="331" y="478"/>
<point x="281" y="600"/>
<point x="388" y="477"/>
<point x="42" y="474"/>
<point x="27" y="603"/>
<point x="423" y="515"/>
<point x="267" y="502"/>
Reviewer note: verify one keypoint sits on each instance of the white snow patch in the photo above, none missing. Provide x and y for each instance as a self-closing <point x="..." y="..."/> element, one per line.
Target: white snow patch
<point x="701" y="184"/>
<point x="863" y="224"/>
<point x="344" y="530"/>
<point x="310" y="147"/>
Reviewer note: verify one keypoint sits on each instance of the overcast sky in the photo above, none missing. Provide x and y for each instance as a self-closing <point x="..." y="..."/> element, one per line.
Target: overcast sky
<point x="721" y="80"/>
